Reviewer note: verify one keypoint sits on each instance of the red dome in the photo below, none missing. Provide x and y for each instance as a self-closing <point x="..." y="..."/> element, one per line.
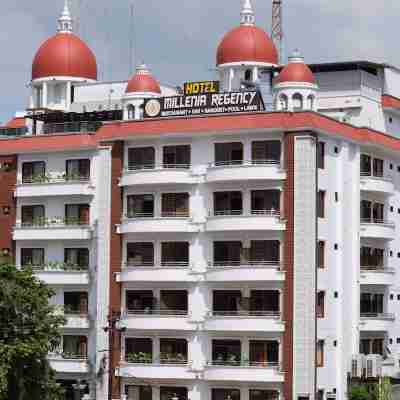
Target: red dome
<point x="143" y="81"/>
<point x="64" y="54"/>
<point x="247" y="43"/>
<point x="296" y="72"/>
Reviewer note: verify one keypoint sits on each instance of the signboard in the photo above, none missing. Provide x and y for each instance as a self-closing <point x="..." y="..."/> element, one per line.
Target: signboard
<point x="192" y="88"/>
<point x="203" y="104"/>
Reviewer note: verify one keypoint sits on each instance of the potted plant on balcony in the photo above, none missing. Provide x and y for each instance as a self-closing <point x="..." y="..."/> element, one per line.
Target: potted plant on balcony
<point x="139" y="358"/>
<point x="232" y="359"/>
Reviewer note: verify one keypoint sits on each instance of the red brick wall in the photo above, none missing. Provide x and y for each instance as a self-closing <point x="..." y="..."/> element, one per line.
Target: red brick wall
<point x="115" y="255"/>
<point x="288" y="265"/>
<point x="8" y="180"/>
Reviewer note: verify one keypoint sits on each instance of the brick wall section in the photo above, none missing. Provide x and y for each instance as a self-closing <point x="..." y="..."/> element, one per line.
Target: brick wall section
<point x="8" y="180"/>
<point x="288" y="265"/>
<point x="115" y="254"/>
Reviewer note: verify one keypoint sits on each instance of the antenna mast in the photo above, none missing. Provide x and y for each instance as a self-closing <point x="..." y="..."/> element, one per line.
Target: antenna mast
<point x="277" y="28"/>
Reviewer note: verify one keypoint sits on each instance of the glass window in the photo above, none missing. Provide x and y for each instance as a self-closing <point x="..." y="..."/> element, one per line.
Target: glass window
<point x="321" y="155"/>
<point x="141" y="158"/>
<point x="33" y="172"/>
<point x="321" y="204"/>
<point x="77" y="257"/>
<point x="321" y="304"/>
<point x="265" y="202"/>
<point x="320" y="353"/>
<point x="365" y="164"/>
<point x="228" y="203"/>
<point x="227" y="253"/>
<point x="140" y="254"/>
<point x="77" y="214"/>
<point x="228" y="153"/>
<point x="176" y="156"/>
<point x="267" y="151"/>
<point x="75" y="302"/>
<point x="297" y="102"/>
<point x="175" y="205"/>
<point x="78" y="170"/>
<point x="33" y="215"/>
<point x="140" y="206"/>
<point x="32" y="257"/>
<point x="74" y="347"/>
<point x="321" y="254"/>
<point x="175" y="253"/>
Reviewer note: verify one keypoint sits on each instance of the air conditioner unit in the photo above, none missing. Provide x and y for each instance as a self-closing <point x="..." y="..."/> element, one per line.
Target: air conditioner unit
<point x="373" y="365"/>
<point x="357" y="365"/>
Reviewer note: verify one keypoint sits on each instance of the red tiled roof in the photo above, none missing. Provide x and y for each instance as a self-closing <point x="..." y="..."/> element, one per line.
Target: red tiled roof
<point x="18" y="122"/>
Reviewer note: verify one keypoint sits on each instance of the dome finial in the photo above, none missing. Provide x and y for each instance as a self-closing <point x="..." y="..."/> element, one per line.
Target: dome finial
<point x="247" y="13"/>
<point x="65" y="20"/>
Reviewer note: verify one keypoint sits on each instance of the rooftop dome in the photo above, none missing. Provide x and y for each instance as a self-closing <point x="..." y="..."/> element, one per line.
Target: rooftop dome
<point x="296" y="71"/>
<point x="64" y="54"/>
<point x="247" y="42"/>
<point x="143" y="82"/>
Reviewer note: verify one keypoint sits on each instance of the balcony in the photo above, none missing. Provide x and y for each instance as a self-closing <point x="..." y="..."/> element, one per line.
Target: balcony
<point x="376" y="275"/>
<point x="158" y="174"/>
<point x="62" y="274"/>
<point x="55" y="186"/>
<point x="170" y="223"/>
<point x="52" y="229"/>
<point x="69" y="364"/>
<point x="245" y="321"/>
<point x="376" y="183"/>
<point x="229" y="364"/>
<point x="261" y="373"/>
<point x="237" y="271"/>
<point x="167" y="272"/>
<point x="76" y="321"/>
<point x="75" y="127"/>
<point x="257" y="220"/>
<point x="377" y="229"/>
<point x="378" y="322"/>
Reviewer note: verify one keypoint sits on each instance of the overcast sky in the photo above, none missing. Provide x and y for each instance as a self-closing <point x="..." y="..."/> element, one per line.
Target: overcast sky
<point x="178" y="38"/>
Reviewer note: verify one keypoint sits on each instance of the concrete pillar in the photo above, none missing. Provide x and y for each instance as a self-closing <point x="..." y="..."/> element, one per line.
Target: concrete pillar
<point x="244" y="394"/>
<point x="68" y="97"/>
<point x="157" y="253"/>
<point x="156" y="393"/>
<point x="246" y="198"/>
<point x="156" y="349"/>
<point x="44" y="94"/>
<point x="157" y="204"/>
<point x="245" y="349"/>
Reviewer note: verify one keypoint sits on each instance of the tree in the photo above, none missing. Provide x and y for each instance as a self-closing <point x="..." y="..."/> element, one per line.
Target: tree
<point x="360" y="392"/>
<point x="29" y="329"/>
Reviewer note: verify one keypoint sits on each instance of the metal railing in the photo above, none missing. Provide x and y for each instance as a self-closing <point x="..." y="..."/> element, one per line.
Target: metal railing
<point x="46" y="179"/>
<point x="157" y="312"/>
<point x="163" y="264"/>
<point x="377" y="315"/>
<point x="372" y="174"/>
<point x="376" y="221"/>
<point x="250" y="263"/>
<point x="57" y="266"/>
<point x="149" y="360"/>
<point x="243" y="363"/>
<point x="45" y="223"/>
<point x="235" y="163"/>
<point x="133" y="215"/>
<point x="154" y="166"/>
<point x="376" y="268"/>
<point x="71" y="127"/>
<point x="164" y="214"/>
<point x="261" y="212"/>
<point x="247" y="313"/>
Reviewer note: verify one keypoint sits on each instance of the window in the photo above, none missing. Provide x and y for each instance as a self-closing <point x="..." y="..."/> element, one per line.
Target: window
<point x="372" y="346"/>
<point x="297" y="102"/>
<point x="78" y="170"/>
<point x="310" y="101"/>
<point x="263" y="352"/>
<point x="378" y="168"/>
<point x="131" y="111"/>
<point x="33" y="172"/>
<point x="172" y="393"/>
<point x="139" y="350"/>
<point x="138" y="392"/>
<point x="265" y="152"/>
<point x="224" y="394"/>
<point x="321" y="204"/>
<point x="371" y="304"/>
<point x="321" y="254"/>
<point x="74" y="347"/>
<point x="248" y="75"/>
<point x="321" y="155"/>
<point x="265" y="202"/>
<point x="226" y="352"/>
<point x="140" y="206"/>
<point x="77" y="214"/>
<point x="227" y="253"/>
<point x="140" y="254"/>
<point x="77" y="257"/>
<point x="141" y="158"/>
<point x="140" y="301"/>
<point x="283" y="102"/>
<point x="175" y="253"/>
<point x="320" y="305"/>
<point x="175" y="205"/>
<point x="174" y="302"/>
<point x="33" y="215"/>
<point x="371" y="258"/>
<point x="173" y="351"/>
<point x="365" y="164"/>
<point x="320" y="353"/>
<point x="75" y="302"/>
<point x="32" y="257"/>
<point x="264" y="252"/>
<point x="264" y="302"/>
<point x="228" y="203"/>
<point x="255" y="394"/>
<point x="228" y="153"/>
<point x="320" y="394"/>
<point x="176" y="156"/>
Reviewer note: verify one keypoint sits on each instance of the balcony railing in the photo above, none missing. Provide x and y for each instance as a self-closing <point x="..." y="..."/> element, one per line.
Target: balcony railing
<point x="376" y="268"/>
<point x="370" y="174"/>
<point x="157" y="312"/>
<point x="247" y="313"/>
<point x="153" y="166"/>
<point x="57" y="266"/>
<point x="244" y="264"/>
<point x="46" y="179"/>
<point x="164" y="214"/>
<point x="376" y="221"/>
<point x="164" y="359"/>
<point x="235" y="163"/>
<point x="377" y="315"/>
<point x="133" y="215"/>
<point x="74" y="356"/>
<point x="235" y="362"/>
<point x="151" y="264"/>
<point x="265" y="212"/>
<point x="53" y="222"/>
<point x="71" y="127"/>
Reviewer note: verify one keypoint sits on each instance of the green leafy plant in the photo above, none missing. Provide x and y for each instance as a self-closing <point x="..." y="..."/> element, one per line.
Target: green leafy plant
<point x="139" y="358"/>
<point x="30" y="329"/>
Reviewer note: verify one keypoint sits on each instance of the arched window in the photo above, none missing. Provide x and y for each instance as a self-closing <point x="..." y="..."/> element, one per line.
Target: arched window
<point x="310" y="102"/>
<point x="131" y="111"/>
<point x="297" y="102"/>
<point x="283" y="102"/>
<point x="248" y="75"/>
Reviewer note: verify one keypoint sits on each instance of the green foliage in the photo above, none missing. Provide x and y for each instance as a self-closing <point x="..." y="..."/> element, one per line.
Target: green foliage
<point x="29" y="329"/>
<point x="360" y="392"/>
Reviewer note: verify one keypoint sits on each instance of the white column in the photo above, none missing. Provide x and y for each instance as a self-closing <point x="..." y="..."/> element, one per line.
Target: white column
<point x="44" y="94"/>
<point x="156" y="393"/>
<point x="244" y="393"/>
<point x="158" y="154"/>
<point x="157" y="253"/>
<point x="156" y="349"/>
<point x="157" y="204"/>
<point x="68" y="97"/>
<point x="246" y="201"/>
<point x="247" y="150"/>
<point x="245" y="349"/>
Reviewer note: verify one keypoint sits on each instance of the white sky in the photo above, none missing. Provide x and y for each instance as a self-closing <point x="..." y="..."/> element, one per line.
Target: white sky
<point x="178" y="38"/>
